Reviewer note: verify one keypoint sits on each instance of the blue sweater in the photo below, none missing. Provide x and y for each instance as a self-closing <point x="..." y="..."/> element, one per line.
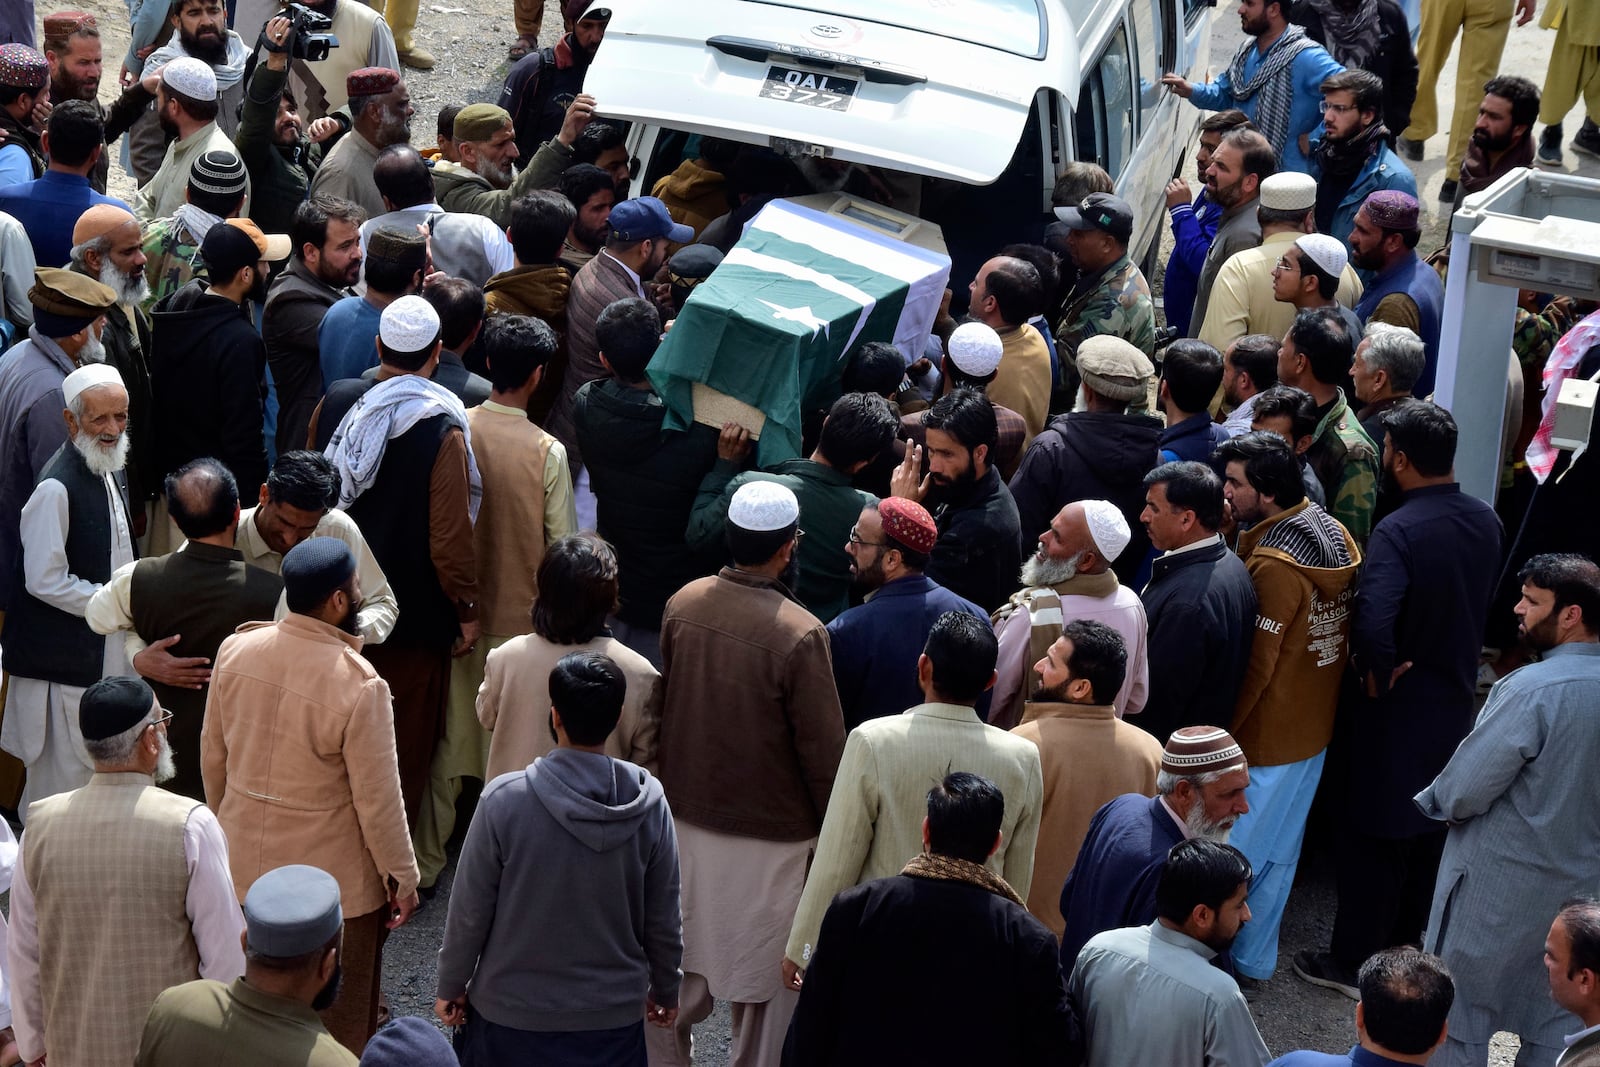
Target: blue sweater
<point x="348" y="339"/>
<point x="1193" y="227"/>
<point x="1309" y="70"/>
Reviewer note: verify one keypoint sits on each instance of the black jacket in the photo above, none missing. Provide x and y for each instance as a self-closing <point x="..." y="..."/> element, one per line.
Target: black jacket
<point x="1202" y="610"/>
<point x="1089" y="455"/>
<point x="1395" y="62"/>
<point x="644" y="480"/>
<point x="871" y="996"/>
<point x="206" y="372"/>
<point x="977" y="555"/>
<point x="295" y="306"/>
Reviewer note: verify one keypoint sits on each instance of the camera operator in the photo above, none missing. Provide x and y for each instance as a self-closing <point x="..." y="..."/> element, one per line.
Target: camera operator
<point x="365" y="40"/>
<point x="280" y="151"/>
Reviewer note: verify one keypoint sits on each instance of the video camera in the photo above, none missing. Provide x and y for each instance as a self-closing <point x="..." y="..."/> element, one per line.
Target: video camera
<point x="308" y="36"/>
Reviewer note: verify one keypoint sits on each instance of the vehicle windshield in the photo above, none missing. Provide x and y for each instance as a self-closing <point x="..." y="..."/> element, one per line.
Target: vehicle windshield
<point x="1015" y="26"/>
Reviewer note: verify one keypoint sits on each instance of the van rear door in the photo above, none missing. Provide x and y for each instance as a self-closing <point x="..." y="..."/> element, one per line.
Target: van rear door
<point x="935" y="89"/>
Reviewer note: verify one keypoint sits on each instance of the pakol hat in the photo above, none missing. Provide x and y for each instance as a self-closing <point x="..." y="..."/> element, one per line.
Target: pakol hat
<point x="908" y="523"/>
<point x="22" y="67"/>
<point x="114" y="705"/>
<point x="66" y="302"/>
<point x="1289" y="190"/>
<point x="975" y="349"/>
<point x="479" y="122"/>
<point x="761" y="507"/>
<point x="1114" y="368"/>
<point x="371" y="81"/>
<point x="192" y="77"/>
<point x="292" y="910"/>
<point x="1201" y="750"/>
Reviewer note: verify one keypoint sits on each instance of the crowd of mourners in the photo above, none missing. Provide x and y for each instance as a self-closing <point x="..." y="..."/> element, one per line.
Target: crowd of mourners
<point x="349" y="552"/>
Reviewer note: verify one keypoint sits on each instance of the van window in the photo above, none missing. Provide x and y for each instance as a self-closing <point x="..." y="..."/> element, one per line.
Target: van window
<point x="1194" y="10"/>
<point x="1104" y="120"/>
<point x="1147" y="31"/>
<point x="1015" y="26"/>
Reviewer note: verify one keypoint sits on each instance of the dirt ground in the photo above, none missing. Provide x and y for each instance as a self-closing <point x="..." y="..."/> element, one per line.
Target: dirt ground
<point x="469" y="38"/>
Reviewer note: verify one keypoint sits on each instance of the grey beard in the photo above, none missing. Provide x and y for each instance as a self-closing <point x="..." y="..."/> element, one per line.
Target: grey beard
<point x="131" y="288"/>
<point x="1047" y="571"/>
<point x="497" y="176"/>
<point x="93" y="350"/>
<point x="1200" y="827"/>
<point x="99" y="461"/>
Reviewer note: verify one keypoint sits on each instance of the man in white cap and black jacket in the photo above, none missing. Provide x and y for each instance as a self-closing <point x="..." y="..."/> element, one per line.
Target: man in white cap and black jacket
<point x="121" y="890"/>
<point x="75" y="531"/>
<point x="748" y="790"/>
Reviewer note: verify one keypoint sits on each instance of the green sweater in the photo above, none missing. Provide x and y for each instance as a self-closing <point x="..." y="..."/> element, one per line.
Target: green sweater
<point x="279" y="177"/>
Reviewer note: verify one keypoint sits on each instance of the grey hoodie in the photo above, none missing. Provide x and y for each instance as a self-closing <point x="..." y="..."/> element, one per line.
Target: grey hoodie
<point x="564" y="913"/>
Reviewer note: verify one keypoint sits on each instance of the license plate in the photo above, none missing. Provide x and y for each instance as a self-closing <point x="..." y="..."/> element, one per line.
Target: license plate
<point x="808" y="87"/>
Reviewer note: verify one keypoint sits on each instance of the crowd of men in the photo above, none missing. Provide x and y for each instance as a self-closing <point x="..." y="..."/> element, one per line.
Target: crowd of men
<point x="339" y="507"/>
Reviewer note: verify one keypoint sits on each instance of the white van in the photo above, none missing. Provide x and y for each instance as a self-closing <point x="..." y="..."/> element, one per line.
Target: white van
<point x="986" y="99"/>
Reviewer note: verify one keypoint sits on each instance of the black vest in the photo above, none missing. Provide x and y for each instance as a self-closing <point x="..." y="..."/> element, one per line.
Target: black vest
<point x="42" y="641"/>
<point x="393" y="516"/>
<point x="336" y="404"/>
<point x="203" y="593"/>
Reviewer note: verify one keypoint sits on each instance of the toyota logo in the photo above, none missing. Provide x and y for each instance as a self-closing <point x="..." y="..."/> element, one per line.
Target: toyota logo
<point x="826" y="31"/>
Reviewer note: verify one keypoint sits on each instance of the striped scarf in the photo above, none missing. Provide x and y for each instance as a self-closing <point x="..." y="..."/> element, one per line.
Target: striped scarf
<point x="943" y="868"/>
<point x="1272" y="81"/>
<point x="1312" y="538"/>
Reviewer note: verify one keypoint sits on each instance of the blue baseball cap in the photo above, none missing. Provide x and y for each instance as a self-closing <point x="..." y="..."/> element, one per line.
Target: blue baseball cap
<point x="645" y="218"/>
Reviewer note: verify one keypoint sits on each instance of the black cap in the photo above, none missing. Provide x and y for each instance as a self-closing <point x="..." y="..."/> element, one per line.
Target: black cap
<point x="112" y="705"/>
<point x="314" y="568"/>
<point x="1100" y="211"/>
<point x="227" y="250"/>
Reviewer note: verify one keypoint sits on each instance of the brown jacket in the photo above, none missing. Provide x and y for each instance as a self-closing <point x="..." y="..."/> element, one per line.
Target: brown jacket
<point x="1089" y="757"/>
<point x="514" y="702"/>
<point x="298" y="757"/>
<point x="751" y="729"/>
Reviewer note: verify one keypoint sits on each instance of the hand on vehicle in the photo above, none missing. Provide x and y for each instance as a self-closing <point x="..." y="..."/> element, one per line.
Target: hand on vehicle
<point x="1178" y="84"/>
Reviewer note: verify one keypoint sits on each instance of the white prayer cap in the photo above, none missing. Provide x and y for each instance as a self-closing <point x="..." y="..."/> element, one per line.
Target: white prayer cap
<point x="1289" y="190"/>
<point x="762" y="506"/>
<point x="1108" y="528"/>
<point x="975" y="349"/>
<point x="409" y="325"/>
<point x="89" y="376"/>
<point x="192" y="77"/>
<point x="1326" y="252"/>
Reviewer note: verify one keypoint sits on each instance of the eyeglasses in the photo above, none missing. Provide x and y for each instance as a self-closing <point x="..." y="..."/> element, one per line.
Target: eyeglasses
<point x="166" y="717"/>
<point x="1337" y="109"/>
<point x="855" y="539"/>
<point x="1285" y="263"/>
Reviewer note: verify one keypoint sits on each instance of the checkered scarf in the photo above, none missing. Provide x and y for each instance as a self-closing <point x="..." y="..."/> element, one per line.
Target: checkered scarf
<point x="1272" y="81"/>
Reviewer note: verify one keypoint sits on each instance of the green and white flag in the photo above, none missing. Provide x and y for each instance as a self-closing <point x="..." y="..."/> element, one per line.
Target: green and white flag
<point x="773" y="323"/>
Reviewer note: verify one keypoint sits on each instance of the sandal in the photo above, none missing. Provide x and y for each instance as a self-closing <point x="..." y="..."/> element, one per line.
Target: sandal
<point x="521" y="47"/>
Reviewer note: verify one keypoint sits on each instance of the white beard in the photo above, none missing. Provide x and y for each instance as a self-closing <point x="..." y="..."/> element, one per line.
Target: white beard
<point x="101" y="461"/>
<point x="166" y="767"/>
<point x="1047" y="571"/>
<point x="1199" y="827"/>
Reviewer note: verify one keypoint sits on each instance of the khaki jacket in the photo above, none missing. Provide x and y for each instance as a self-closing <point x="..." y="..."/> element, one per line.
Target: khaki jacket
<point x="1089" y="757"/>
<point x="514" y="703"/>
<point x="298" y="758"/>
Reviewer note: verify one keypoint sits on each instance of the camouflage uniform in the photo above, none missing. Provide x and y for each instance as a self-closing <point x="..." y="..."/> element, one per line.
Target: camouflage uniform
<point x="1346" y="463"/>
<point x="1117" y="302"/>
<point x="172" y="259"/>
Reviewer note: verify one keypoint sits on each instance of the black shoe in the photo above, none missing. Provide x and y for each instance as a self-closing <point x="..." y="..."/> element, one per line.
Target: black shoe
<point x="1250" y="987"/>
<point x="1587" y="142"/>
<point x="1447" y="191"/>
<point x="1549" y="154"/>
<point x="1410" y="149"/>
<point x="1319" y="968"/>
